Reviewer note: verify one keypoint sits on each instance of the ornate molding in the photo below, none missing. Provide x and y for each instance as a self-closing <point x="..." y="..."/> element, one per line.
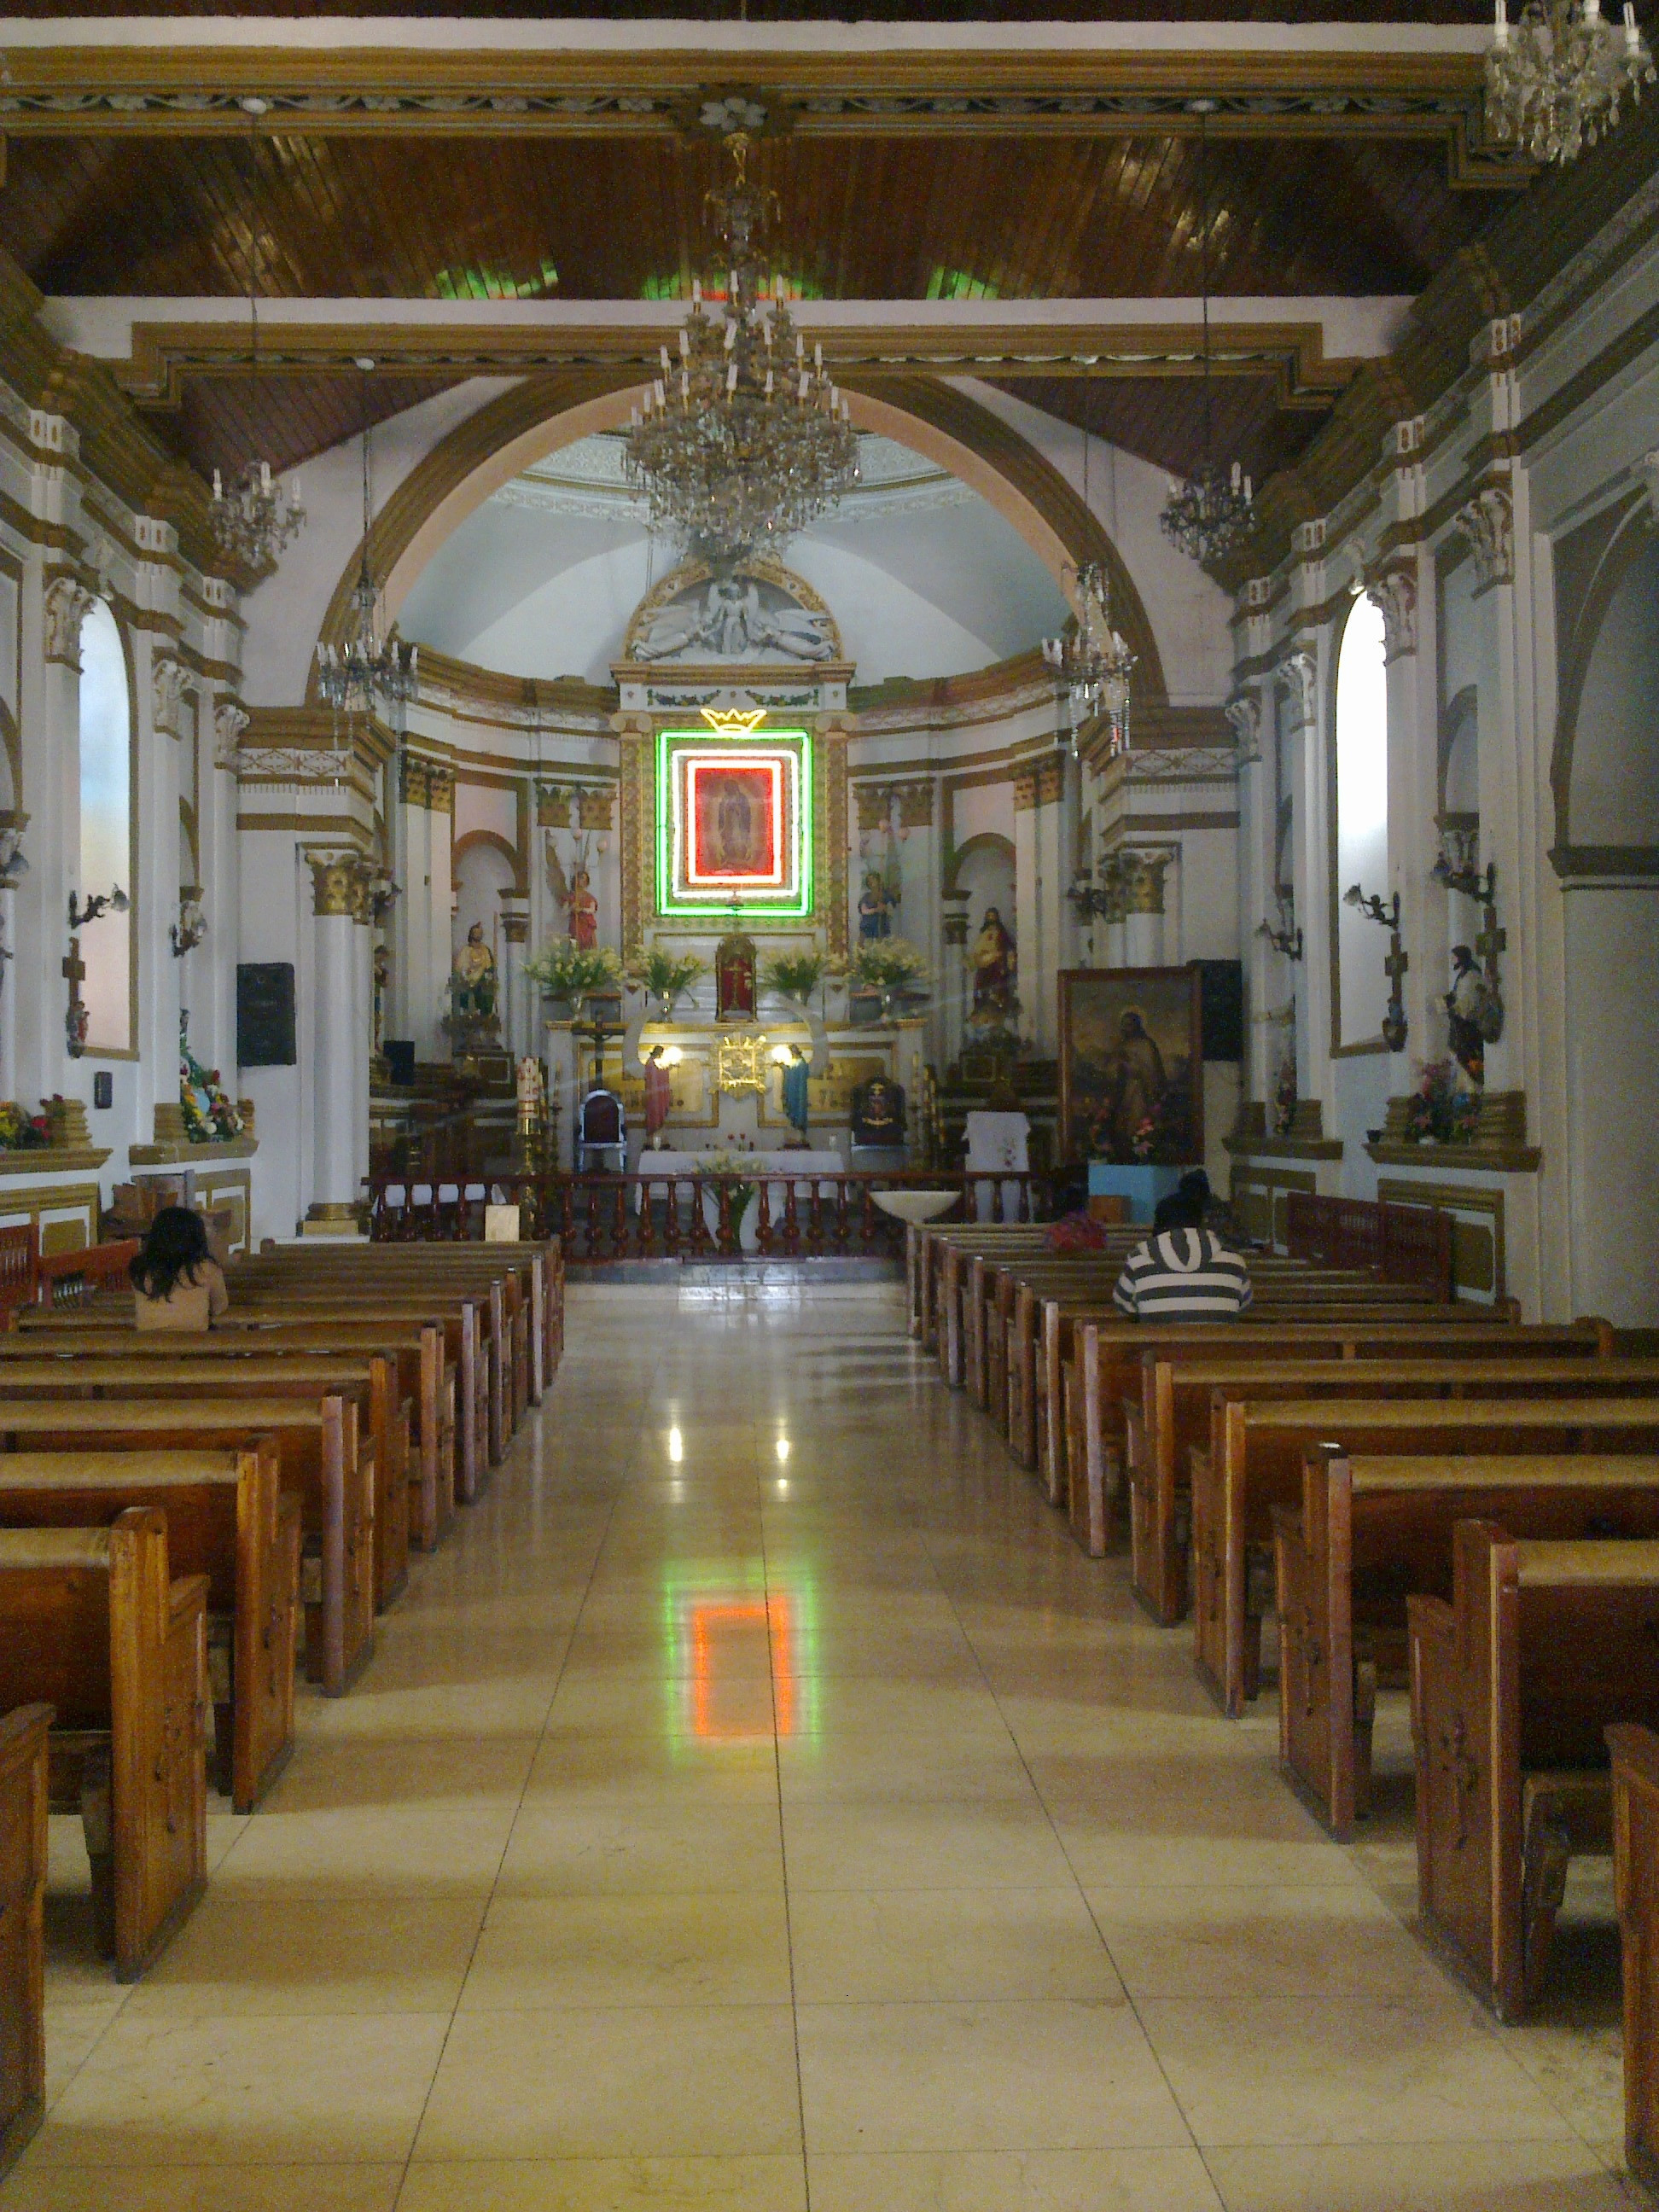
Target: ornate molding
<point x="1394" y="594"/>
<point x="1140" y="878"/>
<point x="1488" y="525"/>
<point x="1244" y="711"/>
<point x="515" y="929"/>
<point x="66" y="604"/>
<point x="337" y="887"/>
<point x="1297" y="680"/>
<point x="166" y="695"/>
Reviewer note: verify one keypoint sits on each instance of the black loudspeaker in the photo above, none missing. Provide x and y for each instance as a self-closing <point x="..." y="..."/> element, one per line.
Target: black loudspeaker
<point x="103" y="1088"/>
<point x="400" y="1059"/>
<point x="1221" y="987"/>
<point x="265" y="1013"/>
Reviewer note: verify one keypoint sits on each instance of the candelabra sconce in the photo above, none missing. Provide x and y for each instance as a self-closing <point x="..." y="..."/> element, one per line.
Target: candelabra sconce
<point x="1099" y="901"/>
<point x="102" y="903"/>
<point x="1394" y="1028"/>
<point x="1287" y="937"/>
<point x="187" y="932"/>
<point x="382" y="895"/>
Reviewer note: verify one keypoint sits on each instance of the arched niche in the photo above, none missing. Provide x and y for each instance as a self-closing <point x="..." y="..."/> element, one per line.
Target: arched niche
<point x="1359" y="826"/>
<point x="1608" y="857"/>
<point x="540" y="416"/>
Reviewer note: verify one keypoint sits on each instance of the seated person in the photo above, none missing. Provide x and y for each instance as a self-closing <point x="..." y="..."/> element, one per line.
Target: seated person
<point x="1184" y="1272"/>
<point x="177" y="1283"/>
<point x="1214" y="1213"/>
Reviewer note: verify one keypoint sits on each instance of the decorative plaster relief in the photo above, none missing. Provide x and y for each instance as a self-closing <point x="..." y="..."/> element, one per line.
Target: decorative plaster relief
<point x="1394" y="594"/>
<point x="66" y="604"/>
<point x="166" y="695"/>
<point x="1488" y="523"/>
<point x="1298" y="679"/>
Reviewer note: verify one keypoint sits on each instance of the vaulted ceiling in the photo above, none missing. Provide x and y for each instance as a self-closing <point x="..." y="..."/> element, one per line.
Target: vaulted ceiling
<point x="1011" y="177"/>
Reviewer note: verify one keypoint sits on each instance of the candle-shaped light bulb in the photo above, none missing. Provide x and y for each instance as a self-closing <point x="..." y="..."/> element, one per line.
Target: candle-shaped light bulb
<point x="1237" y="476"/>
<point x="218" y="485"/>
<point x="1248" y="494"/>
<point x="685" y="342"/>
<point x="265" y="476"/>
<point x="801" y="345"/>
<point x="1500" y="24"/>
<point x="806" y="384"/>
<point x="1633" y="36"/>
<point x="663" y="351"/>
<point x="696" y="291"/>
<point x="732" y="377"/>
<point x="661" y="397"/>
<point x="731" y="333"/>
<point x="818" y="357"/>
<point x="685" y="388"/>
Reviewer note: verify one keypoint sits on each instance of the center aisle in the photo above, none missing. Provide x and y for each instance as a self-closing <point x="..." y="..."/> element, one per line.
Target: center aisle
<point x="762" y="1791"/>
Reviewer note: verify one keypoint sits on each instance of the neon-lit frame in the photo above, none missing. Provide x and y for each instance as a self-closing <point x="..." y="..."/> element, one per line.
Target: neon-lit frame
<point x="759" y="904"/>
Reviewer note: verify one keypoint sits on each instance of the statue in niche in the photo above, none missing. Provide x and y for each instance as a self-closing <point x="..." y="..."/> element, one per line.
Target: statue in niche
<point x="877" y="1116"/>
<point x="731" y="622"/>
<point x="734" y="979"/>
<point x="993" y="961"/>
<point x="472" y="979"/>
<point x="574" y="893"/>
<point x="1474" y="1016"/>
<point x="876" y="904"/>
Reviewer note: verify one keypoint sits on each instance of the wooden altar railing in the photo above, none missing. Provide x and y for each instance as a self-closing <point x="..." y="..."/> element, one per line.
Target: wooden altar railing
<point x="1398" y="1243"/>
<point x="691" y="1217"/>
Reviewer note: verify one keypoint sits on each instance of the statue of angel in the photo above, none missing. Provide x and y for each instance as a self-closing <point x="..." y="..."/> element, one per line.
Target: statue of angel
<point x="574" y="893"/>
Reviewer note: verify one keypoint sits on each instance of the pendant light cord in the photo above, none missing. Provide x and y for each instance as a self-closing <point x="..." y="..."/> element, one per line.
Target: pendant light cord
<point x="1204" y="276"/>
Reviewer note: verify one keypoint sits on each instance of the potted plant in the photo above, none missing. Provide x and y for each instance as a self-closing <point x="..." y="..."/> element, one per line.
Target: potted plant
<point x="666" y="976"/>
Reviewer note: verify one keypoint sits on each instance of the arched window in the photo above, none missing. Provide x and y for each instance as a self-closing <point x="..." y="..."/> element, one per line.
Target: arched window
<point x="1362" y="822"/>
<point x="105" y="828"/>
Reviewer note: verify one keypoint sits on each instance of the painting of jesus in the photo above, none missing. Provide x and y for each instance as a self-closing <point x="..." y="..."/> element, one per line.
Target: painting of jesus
<point x="735" y="826"/>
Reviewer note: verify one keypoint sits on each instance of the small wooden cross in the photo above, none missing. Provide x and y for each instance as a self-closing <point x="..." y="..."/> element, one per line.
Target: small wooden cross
<point x="1396" y="964"/>
<point x="74" y="969"/>
<point x="1491" y="941"/>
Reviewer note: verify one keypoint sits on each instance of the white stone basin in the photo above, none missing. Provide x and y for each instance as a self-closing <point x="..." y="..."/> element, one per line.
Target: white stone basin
<point x="915" y="1205"/>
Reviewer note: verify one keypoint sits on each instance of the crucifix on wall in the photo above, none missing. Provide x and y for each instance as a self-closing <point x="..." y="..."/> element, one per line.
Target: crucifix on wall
<point x="76" y="1019"/>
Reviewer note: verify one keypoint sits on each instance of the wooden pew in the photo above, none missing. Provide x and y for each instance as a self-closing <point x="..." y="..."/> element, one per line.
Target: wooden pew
<point x="1106" y="1371"/>
<point x="321" y="1458"/>
<point x="1513" y="1686"/>
<point x="227" y="1519"/>
<point x="93" y="1624"/>
<point x="1368" y="1532"/>
<point x="370" y="1383"/>
<point x="1170" y="1412"/>
<point x="23" y="1807"/>
<point x="1635" y="1753"/>
<point x="1254" y="1462"/>
<point x="421" y="1378"/>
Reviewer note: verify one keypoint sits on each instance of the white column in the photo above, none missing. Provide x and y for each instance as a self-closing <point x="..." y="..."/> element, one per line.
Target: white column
<point x="9" y="987"/>
<point x="561" y="1054"/>
<point x="1413" y="779"/>
<point x="49" y="723"/>
<point x="953" y="972"/>
<point x="155" y="892"/>
<point x="516" y="1031"/>
<point x="1265" y="987"/>
<point x="337" y="939"/>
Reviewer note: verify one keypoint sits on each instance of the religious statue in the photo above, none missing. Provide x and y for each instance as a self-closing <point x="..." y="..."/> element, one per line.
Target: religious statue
<point x="732" y="624"/>
<point x="659" y="1095"/>
<point x="876" y="904"/>
<point x="734" y="979"/>
<point x="993" y="961"/>
<point x="381" y="971"/>
<point x="1136" y="1084"/>
<point x="472" y="979"/>
<point x="1474" y="1016"/>
<point x="796" y="1097"/>
<point x="575" y="895"/>
<point x="877" y="1115"/>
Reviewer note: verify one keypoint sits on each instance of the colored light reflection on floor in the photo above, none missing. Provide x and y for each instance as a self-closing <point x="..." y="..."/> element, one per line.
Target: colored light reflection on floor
<point x="717" y="1635"/>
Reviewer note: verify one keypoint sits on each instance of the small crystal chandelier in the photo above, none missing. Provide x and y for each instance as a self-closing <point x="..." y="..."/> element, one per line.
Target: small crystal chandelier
<point x="253" y="521"/>
<point x="1554" y="85"/>
<point x="743" y="440"/>
<point x="1213" y="510"/>
<point x="365" y="671"/>
<point x="1091" y="663"/>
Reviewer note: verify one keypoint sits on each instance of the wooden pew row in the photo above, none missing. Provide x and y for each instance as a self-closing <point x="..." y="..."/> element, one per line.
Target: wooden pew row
<point x="370" y="1384"/>
<point x="228" y="1521"/>
<point x="1369" y="1532"/>
<point x="1169" y="1411"/>
<point x="1106" y="1371"/>
<point x="422" y="1379"/>
<point x="1514" y="1684"/>
<point x="326" y="1320"/>
<point x="1635" y="1755"/>
<point x="1254" y="1462"/>
<point x="23" y="1809"/>
<point x="94" y="1623"/>
<point x="320" y="1456"/>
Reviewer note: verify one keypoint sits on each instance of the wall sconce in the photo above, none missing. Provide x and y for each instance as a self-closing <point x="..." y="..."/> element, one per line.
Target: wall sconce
<point x="1287" y="937"/>
<point x="100" y="903"/>
<point x="187" y="932"/>
<point x="382" y="895"/>
<point x="1394" y="1031"/>
<point x="1099" y="901"/>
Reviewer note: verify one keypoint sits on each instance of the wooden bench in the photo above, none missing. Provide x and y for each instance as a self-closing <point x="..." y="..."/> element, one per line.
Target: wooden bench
<point x="1106" y="1372"/>
<point x="227" y="1519"/>
<point x="1514" y="1684"/>
<point x="1171" y="1412"/>
<point x="321" y="1459"/>
<point x="1368" y="1533"/>
<point x="370" y="1383"/>
<point x="1635" y="1753"/>
<point x="1254" y="1462"/>
<point x="93" y="1624"/>
<point x="23" y="1807"/>
<point x="420" y="1380"/>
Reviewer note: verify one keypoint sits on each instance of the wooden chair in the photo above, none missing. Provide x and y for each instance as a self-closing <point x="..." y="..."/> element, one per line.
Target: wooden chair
<point x="227" y="1519"/>
<point x="93" y="1624"/>
<point x="1635" y="1753"/>
<point x="23" y="1807"/>
<point x="1368" y="1532"/>
<point x="1513" y="1686"/>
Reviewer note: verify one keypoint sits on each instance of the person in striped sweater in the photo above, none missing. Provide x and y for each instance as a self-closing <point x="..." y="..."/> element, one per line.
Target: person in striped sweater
<point x="1184" y="1272"/>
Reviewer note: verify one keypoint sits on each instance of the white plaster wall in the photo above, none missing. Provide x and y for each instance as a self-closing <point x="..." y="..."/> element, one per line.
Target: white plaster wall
<point x="1613" y="1049"/>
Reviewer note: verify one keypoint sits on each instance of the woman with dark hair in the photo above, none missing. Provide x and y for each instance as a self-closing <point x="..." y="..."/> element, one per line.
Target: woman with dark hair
<point x="176" y="1281"/>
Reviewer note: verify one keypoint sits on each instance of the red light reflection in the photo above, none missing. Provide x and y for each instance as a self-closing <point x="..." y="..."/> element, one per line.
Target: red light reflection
<point x="730" y="1624"/>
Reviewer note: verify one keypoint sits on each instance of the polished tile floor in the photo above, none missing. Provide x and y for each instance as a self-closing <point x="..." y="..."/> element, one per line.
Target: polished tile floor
<point x="760" y="1804"/>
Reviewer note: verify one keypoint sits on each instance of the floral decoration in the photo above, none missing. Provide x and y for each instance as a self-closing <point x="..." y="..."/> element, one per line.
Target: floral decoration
<point x="23" y="1132"/>
<point x="210" y="1115"/>
<point x="572" y="971"/>
<point x="1440" y="1112"/>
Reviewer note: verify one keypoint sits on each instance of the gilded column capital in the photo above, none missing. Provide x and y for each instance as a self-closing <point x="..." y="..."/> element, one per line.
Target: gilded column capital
<point x="953" y="929"/>
<point x="414" y="789"/>
<point x="515" y="929"/>
<point x="334" y="893"/>
<point x="1050" y="780"/>
<point x="440" y="785"/>
<point x="1142" y="878"/>
<point x="1025" y="790"/>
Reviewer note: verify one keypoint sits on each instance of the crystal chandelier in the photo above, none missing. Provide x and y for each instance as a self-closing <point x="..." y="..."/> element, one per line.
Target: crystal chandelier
<point x="1091" y="663"/>
<point x="254" y="519"/>
<point x="1553" y="84"/>
<point x="743" y="440"/>
<point x="364" y="672"/>
<point x="1213" y="510"/>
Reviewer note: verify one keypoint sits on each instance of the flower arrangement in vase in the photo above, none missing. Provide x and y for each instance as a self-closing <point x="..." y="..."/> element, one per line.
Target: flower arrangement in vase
<point x="1439" y="1112"/>
<point x="575" y="972"/>
<point x="891" y="965"/>
<point x="795" y="976"/>
<point x="665" y="976"/>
